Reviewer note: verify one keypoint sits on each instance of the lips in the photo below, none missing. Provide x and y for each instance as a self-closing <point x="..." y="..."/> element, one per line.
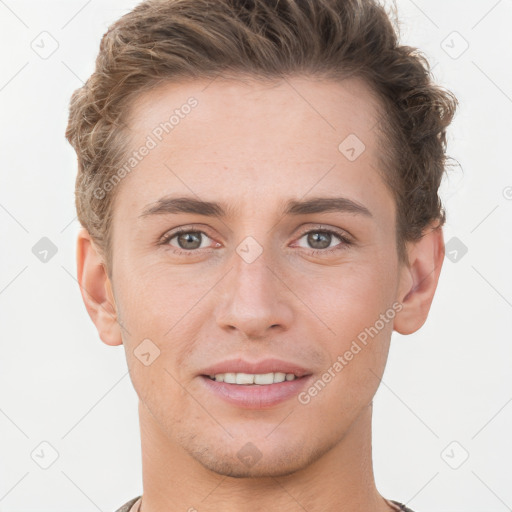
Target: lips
<point x="261" y="367"/>
<point x="253" y="396"/>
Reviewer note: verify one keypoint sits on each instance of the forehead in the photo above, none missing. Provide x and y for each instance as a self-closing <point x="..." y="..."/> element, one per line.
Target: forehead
<point x="317" y="106"/>
<point x="224" y="135"/>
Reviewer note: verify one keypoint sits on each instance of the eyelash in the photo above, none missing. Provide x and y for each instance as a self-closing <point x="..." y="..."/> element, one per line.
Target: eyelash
<point x="345" y="241"/>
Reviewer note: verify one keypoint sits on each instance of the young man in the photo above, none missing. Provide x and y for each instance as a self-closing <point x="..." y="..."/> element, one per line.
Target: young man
<point x="258" y="190"/>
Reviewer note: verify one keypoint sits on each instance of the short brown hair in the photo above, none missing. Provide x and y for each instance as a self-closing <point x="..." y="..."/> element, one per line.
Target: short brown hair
<point x="169" y="40"/>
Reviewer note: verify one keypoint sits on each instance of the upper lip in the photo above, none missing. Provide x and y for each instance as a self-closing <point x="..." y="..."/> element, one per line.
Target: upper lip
<point x="259" y="367"/>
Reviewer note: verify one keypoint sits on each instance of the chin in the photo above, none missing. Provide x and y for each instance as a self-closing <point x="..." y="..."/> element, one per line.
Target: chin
<point x="237" y="469"/>
<point x="249" y="461"/>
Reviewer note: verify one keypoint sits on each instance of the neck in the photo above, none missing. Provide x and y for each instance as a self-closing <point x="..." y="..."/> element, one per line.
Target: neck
<point x="340" y="480"/>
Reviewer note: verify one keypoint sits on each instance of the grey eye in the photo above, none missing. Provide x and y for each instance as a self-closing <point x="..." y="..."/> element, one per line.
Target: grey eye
<point x="319" y="239"/>
<point x="188" y="240"/>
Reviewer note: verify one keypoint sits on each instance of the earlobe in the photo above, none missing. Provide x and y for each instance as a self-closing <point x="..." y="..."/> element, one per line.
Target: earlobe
<point x="419" y="280"/>
<point x="96" y="289"/>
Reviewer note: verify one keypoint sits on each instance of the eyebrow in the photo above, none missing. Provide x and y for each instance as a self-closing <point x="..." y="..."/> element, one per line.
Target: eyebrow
<point x="173" y="205"/>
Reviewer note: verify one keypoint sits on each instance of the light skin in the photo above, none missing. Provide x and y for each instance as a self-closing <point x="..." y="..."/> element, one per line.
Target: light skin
<point x="252" y="146"/>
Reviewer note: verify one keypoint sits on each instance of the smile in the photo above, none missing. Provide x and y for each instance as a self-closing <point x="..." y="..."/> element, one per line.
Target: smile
<point x="254" y="391"/>
<point x="260" y="379"/>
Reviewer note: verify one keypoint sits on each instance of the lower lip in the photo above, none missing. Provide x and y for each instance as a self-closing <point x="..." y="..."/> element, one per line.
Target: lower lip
<point x="256" y="396"/>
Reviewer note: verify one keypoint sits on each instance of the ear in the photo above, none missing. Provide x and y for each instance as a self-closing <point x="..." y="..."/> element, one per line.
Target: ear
<point x="418" y="280"/>
<point x="96" y="289"/>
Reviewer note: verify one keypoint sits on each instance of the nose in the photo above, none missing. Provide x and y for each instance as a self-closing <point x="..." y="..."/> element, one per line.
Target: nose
<point x="254" y="299"/>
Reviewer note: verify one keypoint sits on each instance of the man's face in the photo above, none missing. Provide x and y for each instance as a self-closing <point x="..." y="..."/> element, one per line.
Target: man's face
<point x="256" y="283"/>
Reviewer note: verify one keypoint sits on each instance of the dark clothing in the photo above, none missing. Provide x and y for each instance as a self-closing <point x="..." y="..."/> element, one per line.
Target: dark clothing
<point x="127" y="506"/>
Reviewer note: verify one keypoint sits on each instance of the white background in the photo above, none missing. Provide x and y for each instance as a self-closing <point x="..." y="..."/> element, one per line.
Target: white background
<point x="451" y="381"/>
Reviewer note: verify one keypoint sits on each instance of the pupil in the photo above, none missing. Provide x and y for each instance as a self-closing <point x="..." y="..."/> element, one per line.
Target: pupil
<point x="313" y="239"/>
<point x="186" y="238"/>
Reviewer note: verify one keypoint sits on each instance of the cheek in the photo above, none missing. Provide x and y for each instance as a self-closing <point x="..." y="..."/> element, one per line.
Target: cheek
<point x="357" y="307"/>
<point x="154" y="298"/>
<point x="154" y="310"/>
<point x="350" y="297"/>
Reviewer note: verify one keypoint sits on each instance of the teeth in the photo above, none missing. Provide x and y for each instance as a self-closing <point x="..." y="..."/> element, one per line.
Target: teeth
<point x="267" y="378"/>
<point x="251" y="378"/>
